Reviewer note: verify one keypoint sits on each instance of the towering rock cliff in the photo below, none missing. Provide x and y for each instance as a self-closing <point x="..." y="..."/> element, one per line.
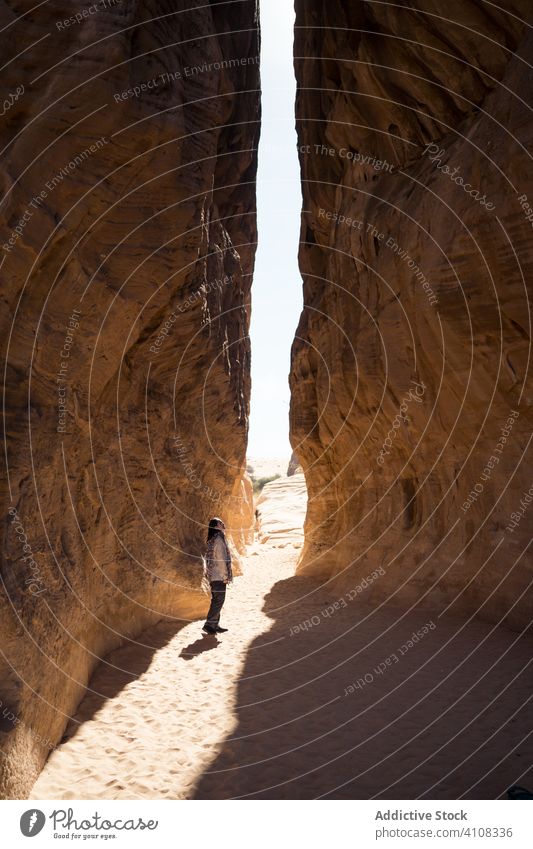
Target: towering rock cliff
<point x="128" y="237"/>
<point x="411" y="400"/>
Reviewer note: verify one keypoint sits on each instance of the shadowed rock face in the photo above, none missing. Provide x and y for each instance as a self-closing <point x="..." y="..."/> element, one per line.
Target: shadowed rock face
<point x="410" y="406"/>
<point x="128" y="232"/>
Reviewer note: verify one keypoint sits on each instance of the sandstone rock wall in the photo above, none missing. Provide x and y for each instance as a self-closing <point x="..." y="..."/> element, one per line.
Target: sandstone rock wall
<point x="128" y="236"/>
<point x="240" y="513"/>
<point x="411" y="398"/>
<point x="294" y="465"/>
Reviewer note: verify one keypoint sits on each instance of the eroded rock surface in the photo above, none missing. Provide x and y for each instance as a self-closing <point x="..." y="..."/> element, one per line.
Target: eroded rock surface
<point x="240" y="513"/>
<point x="128" y="233"/>
<point x="294" y="465"/>
<point x="411" y="405"/>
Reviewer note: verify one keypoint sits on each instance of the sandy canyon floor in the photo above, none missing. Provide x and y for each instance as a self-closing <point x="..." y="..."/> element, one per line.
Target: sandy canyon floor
<point x="269" y="709"/>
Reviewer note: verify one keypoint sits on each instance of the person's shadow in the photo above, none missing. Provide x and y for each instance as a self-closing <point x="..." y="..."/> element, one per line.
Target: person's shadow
<point x="205" y="643"/>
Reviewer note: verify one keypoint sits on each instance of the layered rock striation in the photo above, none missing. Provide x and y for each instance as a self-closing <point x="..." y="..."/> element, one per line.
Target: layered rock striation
<point x="411" y="398"/>
<point x="128" y="236"/>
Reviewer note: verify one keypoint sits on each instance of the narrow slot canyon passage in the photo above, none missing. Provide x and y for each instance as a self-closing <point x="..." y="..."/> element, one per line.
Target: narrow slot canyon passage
<point x="266" y="714"/>
<point x="189" y="306"/>
<point x="121" y="727"/>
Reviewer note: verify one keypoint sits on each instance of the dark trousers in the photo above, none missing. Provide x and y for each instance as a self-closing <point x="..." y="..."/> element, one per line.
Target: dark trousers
<point x="218" y="596"/>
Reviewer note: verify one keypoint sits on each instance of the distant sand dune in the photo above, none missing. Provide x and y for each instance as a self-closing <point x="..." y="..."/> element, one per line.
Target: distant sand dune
<point x="281" y="508"/>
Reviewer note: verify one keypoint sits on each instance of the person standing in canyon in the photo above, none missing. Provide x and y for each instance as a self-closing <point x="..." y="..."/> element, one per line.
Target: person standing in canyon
<point x="217" y="572"/>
